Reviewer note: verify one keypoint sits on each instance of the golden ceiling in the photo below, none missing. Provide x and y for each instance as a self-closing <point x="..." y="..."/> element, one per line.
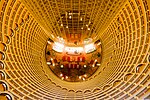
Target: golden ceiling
<point x="74" y="19"/>
<point x="123" y="26"/>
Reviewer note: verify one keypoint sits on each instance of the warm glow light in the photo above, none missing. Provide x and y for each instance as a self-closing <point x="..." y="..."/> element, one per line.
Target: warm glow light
<point x="61" y="75"/>
<point x="93" y="66"/>
<point x="61" y="66"/>
<point x="48" y="42"/>
<point x="61" y="25"/>
<point x="70" y="17"/>
<point x="61" y="40"/>
<point x="59" y="44"/>
<point x="48" y="63"/>
<point x="70" y="13"/>
<point x="83" y="79"/>
<point x="88" y="28"/>
<point x="84" y="66"/>
<point x="66" y="26"/>
<point x="62" y="78"/>
<point x="85" y="75"/>
<point x="95" y="60"/>
<point x="89" y="48"/>
<point x="87" y="41"/>
<point x="53" y="64"/>
<point x="81" y="19"/>
<point x="74" y="50"/>
<point x="80" y="77"/>
<point x="51" y="59"/>
<point x="66" y="77"/>
<point x="99" y="43"/>
<point x="98" y="64"/>
<point x="58" y="47"/>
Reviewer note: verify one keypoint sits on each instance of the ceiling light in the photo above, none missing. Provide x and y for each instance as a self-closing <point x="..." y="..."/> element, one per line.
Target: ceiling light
<point x="93" y="65"/>
<point x="88" y="28"/>
<point x="61" y="25"/>
<point x="66" y="77"/>
<point x="95" y="60"/>
<point x="61" y="75"/>
<point x="81" y="19"/>
<point x="70" y="17"/>
<point x="87" y="25"/>
<point x="99" y="43"/>
<point x="53" y="64"/>
<point x="51" y="58"/>
<point x="48" y="63"/>
<point x="84" y="66"/>
<point x="61" y="66"/>
<point x="83" y="79"/>
<point x="48" y="42"/>
<point x="66" y="26"/>
<point x="82" y="28"/>
<point x="70" y="13"/>
<point x="62" y="78"/>
<point x="98" y="64"/>
<point x="85" y="75"/>
<point x="80" y="77"/>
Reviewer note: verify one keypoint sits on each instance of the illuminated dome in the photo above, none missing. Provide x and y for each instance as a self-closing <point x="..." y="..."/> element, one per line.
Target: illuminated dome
<point x="40" y="37"/>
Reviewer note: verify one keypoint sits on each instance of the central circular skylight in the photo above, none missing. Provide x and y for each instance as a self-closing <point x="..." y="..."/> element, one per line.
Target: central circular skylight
<point x="73" y="64"/>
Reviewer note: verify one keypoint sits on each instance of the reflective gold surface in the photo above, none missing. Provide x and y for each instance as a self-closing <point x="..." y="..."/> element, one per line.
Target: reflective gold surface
<point x="123" y="26"/>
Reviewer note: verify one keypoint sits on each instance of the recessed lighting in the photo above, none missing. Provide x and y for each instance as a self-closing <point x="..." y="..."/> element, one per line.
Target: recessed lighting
<point x="81" y="19"/>
<point x="84" y="66"/>
<point x="70" y="17"/>
<point x="53" y="64"/>
<point x="51" y="58"/>
<point x="66" y="77"/>
<point x="82" y="28"/>
<point x="95" y="60"/>
<point x="66" y="26"/>
<point x="62" y="78"/>
<point x="98" y="64"/>
<point x="48" y="63"/>
<point x="99" y="43"/>
<point x="87" y="25"/>
<point x="48" y="42"/>
<point x="61" y="75"/>
<point x="83" y="79"/>
<point x="70" y="13"/>
<point x="93" y="65"/>
<point x="80" y="77"/>
<point x="61" y="66"/>
<point x="61" y="25"/>
<point x="85" y="75"/>
<point x="88" y="28"/>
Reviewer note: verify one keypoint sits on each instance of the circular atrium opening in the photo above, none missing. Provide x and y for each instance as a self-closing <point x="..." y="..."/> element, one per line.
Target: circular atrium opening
<point x="73" y="63"/>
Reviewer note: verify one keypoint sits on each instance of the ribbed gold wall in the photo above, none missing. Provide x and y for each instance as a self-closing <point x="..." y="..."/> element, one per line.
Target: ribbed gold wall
<point x="125" y="68"/>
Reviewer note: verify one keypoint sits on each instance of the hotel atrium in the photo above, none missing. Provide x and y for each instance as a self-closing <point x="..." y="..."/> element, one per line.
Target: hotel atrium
<point x="74" y="50"/>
